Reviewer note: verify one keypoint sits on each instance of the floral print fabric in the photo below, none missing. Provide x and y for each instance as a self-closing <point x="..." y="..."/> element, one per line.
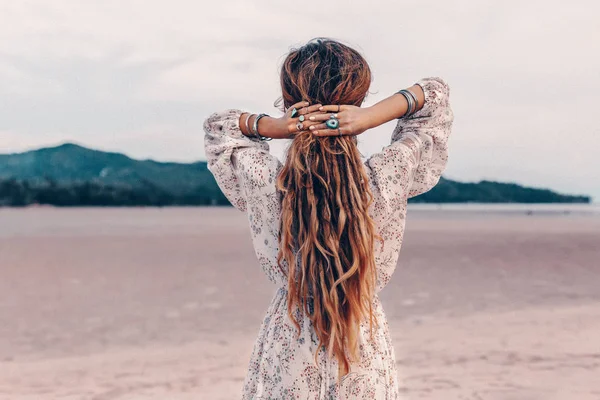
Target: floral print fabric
<point x="282" y="364"/>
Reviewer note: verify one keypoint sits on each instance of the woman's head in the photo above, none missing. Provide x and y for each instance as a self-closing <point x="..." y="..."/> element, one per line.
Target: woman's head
<point x="325" y="71"/>
<point x="326" y="233"/>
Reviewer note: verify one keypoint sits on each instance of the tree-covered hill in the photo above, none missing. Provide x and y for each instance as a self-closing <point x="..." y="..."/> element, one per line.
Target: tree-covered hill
<point x="71" y="175"/>
<point x="448" y="191"/>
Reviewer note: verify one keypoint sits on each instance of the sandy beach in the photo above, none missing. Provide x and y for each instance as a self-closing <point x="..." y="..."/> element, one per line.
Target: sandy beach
<point x="165" y="304"/>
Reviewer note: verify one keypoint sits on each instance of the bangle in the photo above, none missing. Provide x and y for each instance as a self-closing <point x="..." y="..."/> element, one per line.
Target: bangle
<point x="410" y="102"/>
<point x="255" y="126"/>
<point x="423" y="90"/>
<point x="246" y="123"/>
<point x="414" y="96"/>
<point x="413" y="105"/>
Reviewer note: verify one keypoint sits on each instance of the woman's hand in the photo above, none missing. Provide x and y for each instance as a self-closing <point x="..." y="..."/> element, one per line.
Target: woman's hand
<point x="355" y="120"/>
<point x="352" y="120"/>
<point x="287" y="126"/>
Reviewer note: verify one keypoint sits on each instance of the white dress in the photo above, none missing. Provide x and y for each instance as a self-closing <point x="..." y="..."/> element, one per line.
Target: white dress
<point x="282" y="366"/>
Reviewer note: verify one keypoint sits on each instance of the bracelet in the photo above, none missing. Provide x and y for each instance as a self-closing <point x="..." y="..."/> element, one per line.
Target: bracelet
<point x="423" y="90"/>
<point x="255" y="126"/>
<point x="413" y="106"/>
<point x="414" y="96"/>
<point x="413" y="102"/>
<point x="246" y="123"/>
<point x="410" y="102"/>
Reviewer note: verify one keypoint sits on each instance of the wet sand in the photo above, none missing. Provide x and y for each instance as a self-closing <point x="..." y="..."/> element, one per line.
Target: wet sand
<point x="106" y="304"/>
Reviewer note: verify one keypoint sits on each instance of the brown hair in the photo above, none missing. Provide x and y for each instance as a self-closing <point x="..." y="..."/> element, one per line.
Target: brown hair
<point x="327" y="236"/>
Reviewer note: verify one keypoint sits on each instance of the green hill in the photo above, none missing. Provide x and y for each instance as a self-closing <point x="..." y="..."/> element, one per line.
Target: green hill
<point x="70" y="163"/>
<point x="71" y="175"/>
<point x="448" y="191"/>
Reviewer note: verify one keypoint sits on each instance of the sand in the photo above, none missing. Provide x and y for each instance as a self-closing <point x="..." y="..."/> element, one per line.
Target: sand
<point x="165" y="304"/>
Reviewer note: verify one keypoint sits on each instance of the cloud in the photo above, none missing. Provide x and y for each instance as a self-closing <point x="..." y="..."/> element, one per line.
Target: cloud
<point x="126" y="75"/>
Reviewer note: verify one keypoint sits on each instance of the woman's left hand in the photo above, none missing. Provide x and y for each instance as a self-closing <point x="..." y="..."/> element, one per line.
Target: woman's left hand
<point x="288" y="126"/>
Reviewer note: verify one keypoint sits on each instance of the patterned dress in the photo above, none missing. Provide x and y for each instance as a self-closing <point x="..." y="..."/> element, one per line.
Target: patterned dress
<point x="282" y="365"/>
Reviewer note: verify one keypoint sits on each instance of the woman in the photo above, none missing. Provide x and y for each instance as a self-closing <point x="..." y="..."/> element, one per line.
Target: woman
<point x="338" y="220"/>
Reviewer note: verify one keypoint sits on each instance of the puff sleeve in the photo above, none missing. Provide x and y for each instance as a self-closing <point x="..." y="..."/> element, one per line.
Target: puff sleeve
<point x="416" y="157"/>
<point x="241" y="165"/>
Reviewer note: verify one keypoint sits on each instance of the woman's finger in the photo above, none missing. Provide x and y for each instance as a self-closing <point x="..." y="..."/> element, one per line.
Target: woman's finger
<point x="331" y="132"/>
<point x="309" y="109"/>
<point x="298" y="105"/>
<point x="320" y="116"/>
<point x="321" y="130"/>
<point x="296" y="126"/>
<point x="296" y="132"/>
<point x="304" y="108"/>
<point x="332" y="108"/>
<point x="318" y="126"/>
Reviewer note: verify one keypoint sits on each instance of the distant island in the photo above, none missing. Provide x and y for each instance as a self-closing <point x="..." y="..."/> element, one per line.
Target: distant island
<point x="72" y="175"/>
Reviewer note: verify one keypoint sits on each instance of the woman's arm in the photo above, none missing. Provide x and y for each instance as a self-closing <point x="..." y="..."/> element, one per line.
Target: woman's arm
<point x="284" y="127"/>
<point x="393" y="107"/>
<point x="427" y="132"/>
<point x="419" y="143"/>
<point x="356" y="120"/>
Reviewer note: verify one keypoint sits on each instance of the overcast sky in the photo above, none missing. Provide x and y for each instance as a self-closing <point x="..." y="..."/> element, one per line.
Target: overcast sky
<point x="139" y="76"/>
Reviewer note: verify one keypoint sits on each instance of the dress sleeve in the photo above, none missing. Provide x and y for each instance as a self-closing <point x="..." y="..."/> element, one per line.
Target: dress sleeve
<point x="417" y="155"/>
<point x="246" y="173"/>
<point x="410" y="165"/>
<point x="426" y="133"/>
<point x="241" y="165"/>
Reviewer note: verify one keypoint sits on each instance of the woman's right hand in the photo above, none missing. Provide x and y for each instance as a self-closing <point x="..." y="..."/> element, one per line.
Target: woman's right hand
<point x="352" y="120"/>
<point x="355" y="120"/>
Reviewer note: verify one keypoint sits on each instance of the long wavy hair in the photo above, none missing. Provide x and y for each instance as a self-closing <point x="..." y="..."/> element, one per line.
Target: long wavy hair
<point x="326" y="234"/>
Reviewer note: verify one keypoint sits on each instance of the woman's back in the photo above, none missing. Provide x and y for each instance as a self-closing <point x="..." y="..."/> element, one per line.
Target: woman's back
<point x="326" y="226"/>
<point x="282" y="363"/>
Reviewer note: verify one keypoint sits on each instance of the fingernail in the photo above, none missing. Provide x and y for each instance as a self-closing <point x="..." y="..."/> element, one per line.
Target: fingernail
<point x="320" y="108"/>
<point x="311" y="127"/>
<point x="307" y="103"/>
<point x="312" y="118"/>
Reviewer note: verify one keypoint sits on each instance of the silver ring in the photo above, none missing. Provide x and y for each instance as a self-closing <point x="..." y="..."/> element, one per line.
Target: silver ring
<point x="299" y="126"/>
<point x="340" y="132"/>
<point x="333" y="116"/>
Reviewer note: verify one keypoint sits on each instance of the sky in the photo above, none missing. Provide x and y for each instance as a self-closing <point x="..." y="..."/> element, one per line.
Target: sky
<point x="140" y="76"/>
